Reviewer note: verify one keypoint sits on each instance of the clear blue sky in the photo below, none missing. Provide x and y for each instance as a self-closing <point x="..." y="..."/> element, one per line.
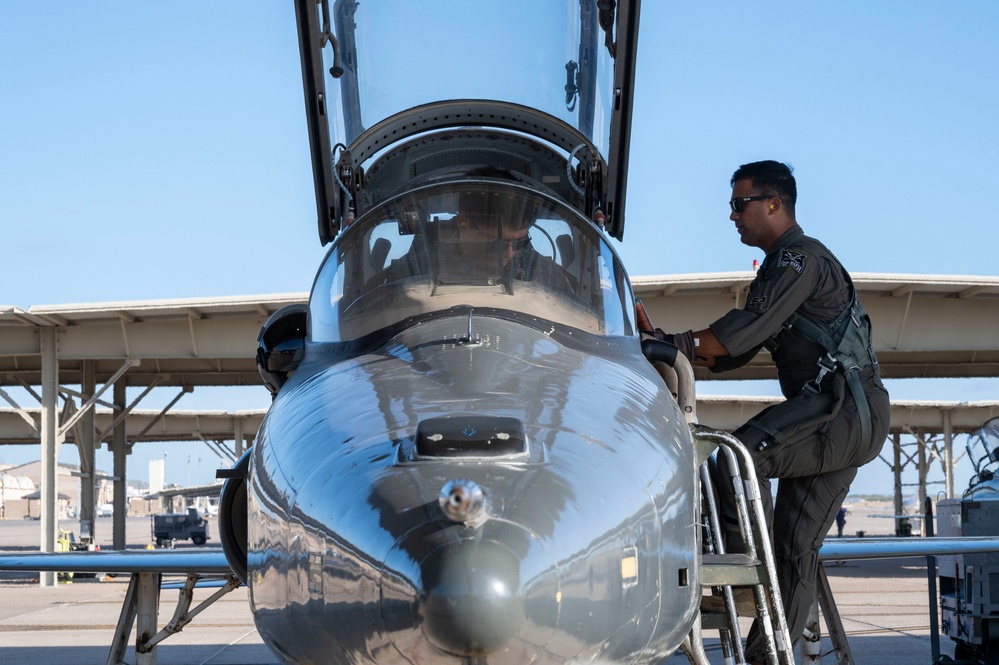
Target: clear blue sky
<point x="161" y="152"/>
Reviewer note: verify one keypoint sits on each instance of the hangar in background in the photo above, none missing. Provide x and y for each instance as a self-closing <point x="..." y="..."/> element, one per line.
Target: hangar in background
<point x="66" y="357"/>
<point x="924" y="325"/>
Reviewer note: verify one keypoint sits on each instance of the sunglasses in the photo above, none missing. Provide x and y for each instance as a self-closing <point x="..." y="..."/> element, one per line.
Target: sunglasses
<point x="738" y="204"/>
<point x="517" y="244"/>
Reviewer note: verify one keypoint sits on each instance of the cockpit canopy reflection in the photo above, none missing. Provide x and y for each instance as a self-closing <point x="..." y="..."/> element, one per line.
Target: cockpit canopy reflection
<point x="474" y="243"/>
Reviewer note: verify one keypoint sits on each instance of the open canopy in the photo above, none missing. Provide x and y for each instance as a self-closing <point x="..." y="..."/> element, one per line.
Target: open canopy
<point x="378" y="72"/>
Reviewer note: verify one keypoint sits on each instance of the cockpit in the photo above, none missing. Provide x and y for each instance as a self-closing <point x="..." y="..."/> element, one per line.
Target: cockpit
<point x="542" y="101"/>
<point x="492" y="246"/>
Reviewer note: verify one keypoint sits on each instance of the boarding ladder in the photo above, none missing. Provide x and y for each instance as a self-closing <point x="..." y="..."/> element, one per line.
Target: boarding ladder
<point x="752" y="567"/>
<point x="720" y="570"/>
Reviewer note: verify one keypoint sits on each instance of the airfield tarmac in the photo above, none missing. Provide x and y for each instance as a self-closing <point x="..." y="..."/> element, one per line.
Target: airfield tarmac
<point x="884" y="607"/>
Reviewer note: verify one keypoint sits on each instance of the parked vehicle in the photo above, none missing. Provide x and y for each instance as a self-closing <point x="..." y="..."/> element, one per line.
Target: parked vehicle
<point x="171" y="527"/>
<point x="969" y="595"/>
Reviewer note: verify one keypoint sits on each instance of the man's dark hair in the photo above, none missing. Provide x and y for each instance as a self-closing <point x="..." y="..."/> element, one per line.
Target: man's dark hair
<point x="770" y="177"/>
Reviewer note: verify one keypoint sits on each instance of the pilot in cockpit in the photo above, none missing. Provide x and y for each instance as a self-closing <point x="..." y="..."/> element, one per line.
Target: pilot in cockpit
<point x="486" y="242"/>
<point x="479" y="242"/>
<point x="491" y="243"/>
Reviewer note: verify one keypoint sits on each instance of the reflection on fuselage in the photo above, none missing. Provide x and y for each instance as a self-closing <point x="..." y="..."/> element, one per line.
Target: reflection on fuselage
<point x="347" y="540"/>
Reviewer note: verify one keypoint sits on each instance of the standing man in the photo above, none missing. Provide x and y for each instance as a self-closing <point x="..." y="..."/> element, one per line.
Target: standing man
<point x="840" y="522"/>
<point x="803" y="308"/>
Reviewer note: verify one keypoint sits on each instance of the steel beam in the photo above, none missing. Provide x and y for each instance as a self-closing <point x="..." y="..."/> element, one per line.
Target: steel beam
<point x="123" y="410"/>
<point x="896" y="440"/>
<point x="237" y="426"/>
<point x="923" y="468"/>
<point x="159" y="416"/>
<point x="147" y="618"/>
<point x="21" y="411"/>
<point x="87" y="447"/>
<point x="119" y="451"/>
<point x="948" y="460"/>
<point x="89" y="404"/>
<point x="50" y="393"/>
<point x="176" y="425"/>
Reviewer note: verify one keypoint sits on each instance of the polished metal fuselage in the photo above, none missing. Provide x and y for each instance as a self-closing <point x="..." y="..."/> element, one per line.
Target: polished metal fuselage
<point x="587" y="549"/>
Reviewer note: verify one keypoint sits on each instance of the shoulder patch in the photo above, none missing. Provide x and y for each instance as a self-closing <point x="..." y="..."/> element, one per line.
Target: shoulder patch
<point x="793" y="260"/>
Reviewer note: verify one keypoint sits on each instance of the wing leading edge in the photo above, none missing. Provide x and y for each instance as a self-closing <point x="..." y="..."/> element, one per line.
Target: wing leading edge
<point x="142" y="598"/>
<point x="842" y="549"/>
<point x="199" y="562"/>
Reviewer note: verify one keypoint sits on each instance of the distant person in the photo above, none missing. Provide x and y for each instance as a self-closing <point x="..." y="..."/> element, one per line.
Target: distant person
<point x="840" y="522"/>
<point x="802" y="307"/>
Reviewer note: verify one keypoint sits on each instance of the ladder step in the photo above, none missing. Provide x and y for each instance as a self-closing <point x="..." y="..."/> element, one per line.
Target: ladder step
<point x="714" y="621"/>
<point x="730" y="570"/>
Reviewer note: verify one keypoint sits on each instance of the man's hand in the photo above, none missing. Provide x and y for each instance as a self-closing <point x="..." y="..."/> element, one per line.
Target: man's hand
<point x="684" y="342"/>
<point x="701" y="347"/>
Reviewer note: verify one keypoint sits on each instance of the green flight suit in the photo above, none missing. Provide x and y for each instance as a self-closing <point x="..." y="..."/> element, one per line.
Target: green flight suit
<point x="819" y="445"/>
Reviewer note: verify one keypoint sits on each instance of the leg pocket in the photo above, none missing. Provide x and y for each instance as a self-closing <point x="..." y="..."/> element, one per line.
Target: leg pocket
<point x="796" y="449"/>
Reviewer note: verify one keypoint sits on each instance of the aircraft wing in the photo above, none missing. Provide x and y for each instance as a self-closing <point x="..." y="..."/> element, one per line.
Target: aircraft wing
<point x="141" y="604"/>
<point x="200" y="561"/>
<point x="841" y="549"/>
<point x="213" y="562"/>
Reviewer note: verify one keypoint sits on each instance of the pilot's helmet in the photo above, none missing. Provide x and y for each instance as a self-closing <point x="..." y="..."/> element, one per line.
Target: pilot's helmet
<point x="281" y="345"/>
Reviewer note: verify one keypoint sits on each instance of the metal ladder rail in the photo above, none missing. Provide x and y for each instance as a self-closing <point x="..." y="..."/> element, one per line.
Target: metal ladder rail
<point x="727" y="624"/>
<point x="755" y="567"/>
<point x="721" y="571"/>
<point x="750" y="567"/>
<point x="731" y="640"/>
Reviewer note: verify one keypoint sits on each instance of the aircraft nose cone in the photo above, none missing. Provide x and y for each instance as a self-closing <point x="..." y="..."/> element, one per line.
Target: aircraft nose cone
<point x="473" y="599"/>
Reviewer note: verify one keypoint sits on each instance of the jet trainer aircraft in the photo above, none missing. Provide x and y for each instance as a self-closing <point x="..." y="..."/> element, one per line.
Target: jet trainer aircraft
<point x="468" y="457"/>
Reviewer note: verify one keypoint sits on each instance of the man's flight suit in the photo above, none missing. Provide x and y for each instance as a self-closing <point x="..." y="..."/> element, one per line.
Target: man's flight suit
<point x="813" y="441"/>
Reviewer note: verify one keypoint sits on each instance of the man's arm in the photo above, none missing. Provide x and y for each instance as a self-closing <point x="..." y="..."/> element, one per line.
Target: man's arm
<point x="778" y="291"/>
<point x="707" y="348"/>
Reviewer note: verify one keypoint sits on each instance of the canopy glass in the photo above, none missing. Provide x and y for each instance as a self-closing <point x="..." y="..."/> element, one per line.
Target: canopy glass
<point x="493" y="247"/>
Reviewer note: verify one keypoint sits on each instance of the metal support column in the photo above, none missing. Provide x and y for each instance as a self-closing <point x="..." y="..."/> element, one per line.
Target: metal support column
<point x="948" y="461"/>
<point x="119" y="451"/>
<point x="923" y="467"/>
<point x="141" y="607"/>
<point x="237" y="426"/>
<point x="50" y="411"/>
<point x="931" y="580"/>
<point x="87" y="448"/>
<point x="834" y="622"/>
<point x="147" y="618"/>
<point x="896" y="440"/>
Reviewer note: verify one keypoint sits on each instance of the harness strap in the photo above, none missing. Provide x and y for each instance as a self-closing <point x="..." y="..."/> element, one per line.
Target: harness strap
<point x="814" y="332"/>
<point x="860" y="399"/>
<point x="818" y="334"/>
